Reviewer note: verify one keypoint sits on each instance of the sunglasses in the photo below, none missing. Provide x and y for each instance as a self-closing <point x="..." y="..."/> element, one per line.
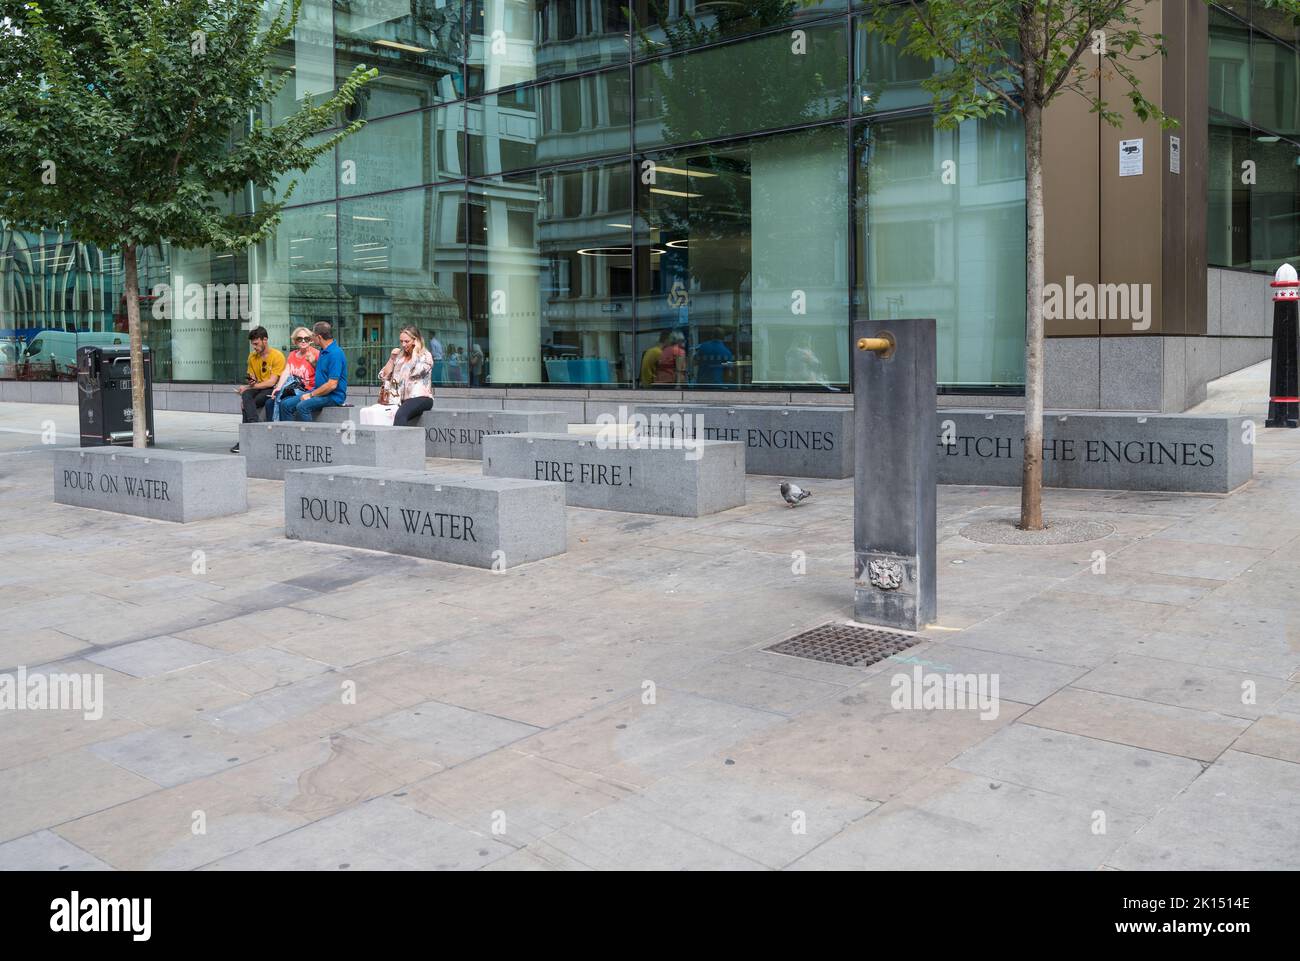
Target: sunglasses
<point x="301" y="340"/>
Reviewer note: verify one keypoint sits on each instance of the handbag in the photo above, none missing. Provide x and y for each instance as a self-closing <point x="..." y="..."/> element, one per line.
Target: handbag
<point x="389" y="392"/>
<point x="292" y="385"/>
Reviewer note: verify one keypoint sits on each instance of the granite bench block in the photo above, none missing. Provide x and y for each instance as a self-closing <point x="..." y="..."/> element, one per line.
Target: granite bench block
<point x="478" y="521"/>
<point x="167" y="485"/>
<point x="1109" y="451"/>
<point x="460" y="433"/>
<point x="340" y="414"/>
<point x="787" y="441"/>
<point x="272" y="449"/>
<point x="684" y="478"/>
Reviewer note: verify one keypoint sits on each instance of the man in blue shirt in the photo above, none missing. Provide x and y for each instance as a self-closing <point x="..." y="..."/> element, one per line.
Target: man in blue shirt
<point x="711" y="359"/>
<point x="331" y="379"/>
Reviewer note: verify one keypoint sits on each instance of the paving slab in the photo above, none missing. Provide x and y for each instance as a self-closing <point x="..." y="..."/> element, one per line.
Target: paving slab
<point x="46" y="851"/>
<point x="380" y="834"/>
<point x="37" y="647"/>
<point x="1217" y="562"/>
<point x="47" y="792"/>
<point x="243" y="805"/>
<point x="444" y="733"/>
<point x="1240" y="815"/>
<point x="259" y="669"/>
<point x="1065" y="628"/>
<point x="763" y="690"/>
<point x="1202" y="735"/>
<point x="519" y="798"/>
<point x="171" y="756"/>
<point x="1101" y="773"/>
<point x="1275" y="737"/>
<point x="953" y="821"/>
<point x="1026" y="680"/>
<point x="1185" y="685"/>
<point x="638" y="743"/>
<point x="625" y="838"/>
<point x="861" y="745"/>
<point x="157" y="655"/>
<point x="770" y="819"/>
<point x="1253" y="649"/>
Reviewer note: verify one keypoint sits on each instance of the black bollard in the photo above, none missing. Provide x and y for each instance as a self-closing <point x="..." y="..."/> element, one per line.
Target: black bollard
<point x="1284" y="378"/>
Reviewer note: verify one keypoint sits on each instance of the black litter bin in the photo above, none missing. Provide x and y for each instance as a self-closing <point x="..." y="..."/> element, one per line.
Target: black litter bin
<point x="104" y="396"/>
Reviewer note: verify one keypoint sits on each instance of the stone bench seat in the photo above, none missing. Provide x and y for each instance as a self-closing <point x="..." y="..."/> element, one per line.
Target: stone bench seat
<point x="339" y="414"/>
<point x="491" y="522"/>
<point x="459" y="433"/>
<point x="167" y="485"/>
<point x="786" y="441"/>
<point x="270" y="449"/>
<point x="646" y="476"/>
<point x="1107" y="451"/>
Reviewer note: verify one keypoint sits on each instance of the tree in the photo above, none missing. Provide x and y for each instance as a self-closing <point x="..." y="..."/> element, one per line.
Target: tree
<point x="1018" y="56"/>
<point x="127" y="122"/>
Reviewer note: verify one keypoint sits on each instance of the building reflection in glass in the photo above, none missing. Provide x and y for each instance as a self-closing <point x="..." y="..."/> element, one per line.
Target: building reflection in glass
<point x="551" y="275"/>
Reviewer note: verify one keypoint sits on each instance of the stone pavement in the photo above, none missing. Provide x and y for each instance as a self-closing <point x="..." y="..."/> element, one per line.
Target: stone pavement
<point x="281" y="704"/>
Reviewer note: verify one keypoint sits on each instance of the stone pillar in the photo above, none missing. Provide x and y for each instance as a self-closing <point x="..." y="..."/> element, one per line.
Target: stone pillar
<point x="894" y="480"/>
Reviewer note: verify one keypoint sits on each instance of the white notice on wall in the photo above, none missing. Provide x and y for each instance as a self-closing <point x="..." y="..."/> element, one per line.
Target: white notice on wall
<point x="1175" y="155"/>
<point x="1130" y="158"/>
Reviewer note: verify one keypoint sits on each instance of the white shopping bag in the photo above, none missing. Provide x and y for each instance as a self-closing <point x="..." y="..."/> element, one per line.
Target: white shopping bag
<point x="378" y="415"/>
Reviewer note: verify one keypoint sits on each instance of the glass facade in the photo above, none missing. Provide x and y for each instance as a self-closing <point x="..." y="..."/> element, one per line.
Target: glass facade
<point x="1253" y="220"/>
<point x="547" y="187"/>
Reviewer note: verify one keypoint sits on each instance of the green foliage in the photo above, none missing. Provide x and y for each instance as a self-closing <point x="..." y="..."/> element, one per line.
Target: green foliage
<point x="127" y="121"/>
<point x="1016" y="55"/>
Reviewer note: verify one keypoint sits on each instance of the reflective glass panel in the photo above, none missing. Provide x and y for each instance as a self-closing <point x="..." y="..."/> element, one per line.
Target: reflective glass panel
<point x="664" y="26"/>
<point x="884" y="77"/>
<point x="550" y="123"/>
<point x="57" y="294"/>
<point x="415" y="45"/>
<point x="295" y="273"/>
<point x="1229" y="75"/>
<point x="1275" y="204"/>
<point x="742" y="262"/>
<point x="307" y="58"/>
<point x="949" y="247"/>
<point x="401" y="264"/>
<point x="403" y="151"/>
<point x="1274" y="91"/>
<point x="551" y="276"/>
<point x="518" y="41"/>
<point x="778" y="80"/>
<point x="1227" y="228"/>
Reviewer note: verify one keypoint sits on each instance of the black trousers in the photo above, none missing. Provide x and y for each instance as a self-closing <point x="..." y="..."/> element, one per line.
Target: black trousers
<point x="255" y="401"/>
<point x="411" y="409"/>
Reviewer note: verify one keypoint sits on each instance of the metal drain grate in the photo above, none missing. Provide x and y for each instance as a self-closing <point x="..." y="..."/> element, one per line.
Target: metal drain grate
<point x="845" y="644"/>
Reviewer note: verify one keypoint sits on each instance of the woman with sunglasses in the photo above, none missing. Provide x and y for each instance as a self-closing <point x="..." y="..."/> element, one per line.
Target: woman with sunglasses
<point x="407" y="391"/>
<point x="299" y="375"/>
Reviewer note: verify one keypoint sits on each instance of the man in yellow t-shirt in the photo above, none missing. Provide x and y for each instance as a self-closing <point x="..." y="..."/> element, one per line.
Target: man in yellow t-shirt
<point x="265" y="365"/>
<point x="650" y="359"/>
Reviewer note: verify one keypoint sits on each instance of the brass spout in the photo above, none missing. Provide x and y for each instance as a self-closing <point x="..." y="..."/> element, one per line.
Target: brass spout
<point x="883" y="345"/>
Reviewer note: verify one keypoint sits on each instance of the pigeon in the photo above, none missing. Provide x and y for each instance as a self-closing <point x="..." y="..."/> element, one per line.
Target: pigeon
<point x="793" y="493"/>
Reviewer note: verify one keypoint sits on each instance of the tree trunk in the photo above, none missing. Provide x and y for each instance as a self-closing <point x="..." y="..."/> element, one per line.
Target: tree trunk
<point x="139" y="415"/>
<point x="1031" y="483"/>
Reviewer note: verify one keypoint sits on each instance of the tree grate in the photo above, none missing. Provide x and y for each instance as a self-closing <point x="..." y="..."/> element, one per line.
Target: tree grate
<point x="845" y="644"/>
